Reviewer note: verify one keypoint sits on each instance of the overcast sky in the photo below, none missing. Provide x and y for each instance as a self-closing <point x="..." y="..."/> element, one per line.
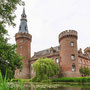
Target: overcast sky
<point x="48" y="18"/>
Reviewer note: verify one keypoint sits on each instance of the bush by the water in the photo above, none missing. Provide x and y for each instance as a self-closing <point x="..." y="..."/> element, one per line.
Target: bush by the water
<point x="44" y="69"/>
<point x="72" y="79"/>
<point x="22" y="80"/>
<point x="84" y="71"/>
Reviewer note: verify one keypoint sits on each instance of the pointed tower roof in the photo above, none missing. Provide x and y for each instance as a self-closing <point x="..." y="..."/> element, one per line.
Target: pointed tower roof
<point x="23" y="15"/>
<point x="23" y="28"/>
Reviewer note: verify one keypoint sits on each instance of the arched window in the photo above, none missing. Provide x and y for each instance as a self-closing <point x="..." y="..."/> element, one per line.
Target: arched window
<point x="73" y="57"/>
<point x="57" y="60"/>
<point x="73" y="67"/>
<point x="72" y="44"/>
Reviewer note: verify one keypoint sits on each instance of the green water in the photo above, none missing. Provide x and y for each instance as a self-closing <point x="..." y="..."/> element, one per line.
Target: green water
<point x="59" y="88"/>
<point x="56" y="87"/>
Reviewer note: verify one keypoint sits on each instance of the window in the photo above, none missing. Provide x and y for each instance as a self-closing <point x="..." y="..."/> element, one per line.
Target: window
<point x="72" y="44"/>
<point x="73" y="67"/>
<point x="57" y="60"/>
<point x="20" y="54"/>
<point x="80" y="60"/>
<point x="21" y="40"/>
<point x="31" y="65"/>
<point x="26" y="28"/>
<point x="20" y="46"/>
<point x="19" y="27"/>
<point x="72" y="56"/>
<point x="32" y="72"/>
<point x="20" y="73"/>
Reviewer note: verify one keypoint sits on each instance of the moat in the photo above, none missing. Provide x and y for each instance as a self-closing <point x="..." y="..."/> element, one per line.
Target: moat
<point x="57" y="87"/>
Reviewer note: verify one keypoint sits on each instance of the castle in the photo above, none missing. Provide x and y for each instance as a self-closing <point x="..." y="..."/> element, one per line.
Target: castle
<point x="66" y="55"/>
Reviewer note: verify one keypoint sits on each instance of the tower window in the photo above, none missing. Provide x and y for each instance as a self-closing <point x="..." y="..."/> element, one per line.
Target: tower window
<point x="73" y="57"/>
<point x="72" y="44"/>
<point x="20" y="46"/>
<point x="21" y="40"/>
<point x="26" y="28"/>
<point x="19" y="27"/>
<point x="57" y="60"/>
<point x="73" y="67"/>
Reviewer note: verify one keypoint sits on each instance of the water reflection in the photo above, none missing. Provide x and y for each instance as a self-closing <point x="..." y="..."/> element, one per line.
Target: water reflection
<point x="59" y="88"/>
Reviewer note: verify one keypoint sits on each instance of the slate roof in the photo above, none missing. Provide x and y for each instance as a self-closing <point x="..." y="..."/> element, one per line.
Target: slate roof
<point x="23" y="28"/>
<point x="47" y="51"/>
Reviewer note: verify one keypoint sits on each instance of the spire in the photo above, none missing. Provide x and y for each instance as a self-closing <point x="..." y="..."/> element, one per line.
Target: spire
<point x="23" y="16"/>
<point x="23" y="28"/>
<point x="23" y="10"/>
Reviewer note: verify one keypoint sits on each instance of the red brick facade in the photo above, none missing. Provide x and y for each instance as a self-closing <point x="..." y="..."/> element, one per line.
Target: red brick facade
<point x="23" y="41"/>
<point x="69" y="53"/>
<point x="66" y="55"/>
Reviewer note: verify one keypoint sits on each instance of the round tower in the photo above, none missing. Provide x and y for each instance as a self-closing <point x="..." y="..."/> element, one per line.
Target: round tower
<point x="23" y="41"/>
<point x="68" y="53"/>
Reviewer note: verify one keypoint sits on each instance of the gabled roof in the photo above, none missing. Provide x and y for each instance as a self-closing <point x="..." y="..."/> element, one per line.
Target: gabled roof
<point x="46" y="52"/>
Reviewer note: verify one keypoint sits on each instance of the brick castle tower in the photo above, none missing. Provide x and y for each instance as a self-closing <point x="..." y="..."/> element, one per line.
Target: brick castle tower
<point x="23" y="41"/>
<point x="68" y="53"/>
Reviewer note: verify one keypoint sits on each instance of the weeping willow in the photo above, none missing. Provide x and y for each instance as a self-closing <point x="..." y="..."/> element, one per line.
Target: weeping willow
<point x="45" y="68"/>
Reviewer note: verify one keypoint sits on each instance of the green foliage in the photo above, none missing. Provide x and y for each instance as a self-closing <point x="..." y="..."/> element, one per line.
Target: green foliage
<point x="44" y="69"/>
<point x="9" y="60"/>
<point x="22" y="80"/>
<point x="47" y="81"/>
<point x="7" y="9"/>
<point x="4" y="85"/>
<point x="85" y="71"/>
<point x="72" y="79"/>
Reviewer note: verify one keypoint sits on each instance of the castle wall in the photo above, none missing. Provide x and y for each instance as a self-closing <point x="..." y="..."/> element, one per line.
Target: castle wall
<point x="83" y="62"/>
<point x="69" y="54"/>
<point x="23" y="42"/>
<point x="65" y="58"/>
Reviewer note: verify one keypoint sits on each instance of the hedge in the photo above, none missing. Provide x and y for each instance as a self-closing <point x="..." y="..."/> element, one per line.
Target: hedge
<point x="72" y="79"/>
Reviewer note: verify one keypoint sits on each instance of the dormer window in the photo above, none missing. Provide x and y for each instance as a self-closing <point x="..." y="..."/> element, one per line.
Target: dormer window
<point x="25" y="27"/>
<point x="19" y="27"/>
<point x="72" y="44"/>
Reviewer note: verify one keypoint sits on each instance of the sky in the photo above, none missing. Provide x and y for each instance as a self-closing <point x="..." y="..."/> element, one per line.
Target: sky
<point x="48" y="18"/>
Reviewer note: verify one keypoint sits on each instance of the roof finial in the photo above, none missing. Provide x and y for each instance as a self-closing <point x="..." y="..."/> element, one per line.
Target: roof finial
<point x="23" y="10"/>
<point x="23" y="16"/>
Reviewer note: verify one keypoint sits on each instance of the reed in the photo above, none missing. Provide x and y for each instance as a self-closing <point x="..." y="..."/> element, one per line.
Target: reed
<point x="4" y="84"/>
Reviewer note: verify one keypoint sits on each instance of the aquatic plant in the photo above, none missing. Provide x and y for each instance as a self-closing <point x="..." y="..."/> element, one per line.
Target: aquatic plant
<point x="5" y="85"/>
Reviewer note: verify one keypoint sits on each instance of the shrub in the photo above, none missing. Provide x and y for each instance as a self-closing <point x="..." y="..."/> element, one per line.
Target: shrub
<point x="69" y="79"/>
<point x="46" y="81"/>
<point x="85" y="71"/>
<point x="22" y="80"/>
<point x="44" y="69"/>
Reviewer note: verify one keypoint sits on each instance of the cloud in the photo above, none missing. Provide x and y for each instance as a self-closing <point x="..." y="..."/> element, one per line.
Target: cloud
<point x="47" y="18"/>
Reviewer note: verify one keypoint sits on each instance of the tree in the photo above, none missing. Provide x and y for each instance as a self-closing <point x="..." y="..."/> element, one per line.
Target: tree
<point x="45" y="68"/>
<point x="7" y="9"/>
<point x="9" y="60"/>
<point x="84" y="71"/>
